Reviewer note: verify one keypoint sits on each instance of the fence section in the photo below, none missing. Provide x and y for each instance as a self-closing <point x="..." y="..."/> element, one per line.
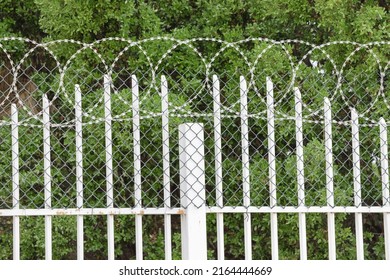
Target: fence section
<point x="294" y="155"/>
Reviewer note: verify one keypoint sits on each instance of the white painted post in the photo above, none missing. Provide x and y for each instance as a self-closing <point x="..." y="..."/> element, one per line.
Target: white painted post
<point x="79" y="171"/>
<point x="47" y="175"/>
<point x="137" y="167"/>
<point x="385" y="183"/>
<point x="329" y="178"/>
<point x="357" y="183"/>
<point x="166" y="167"/>
<point x="300" y="173"/>
<point x="218" y="166"/>
<point x="193" y="194"/>
<point x="245" y="166"/>
<point x="109" y="168"/>
<point x="15" y="180"/>
<point x="272" y="167"/>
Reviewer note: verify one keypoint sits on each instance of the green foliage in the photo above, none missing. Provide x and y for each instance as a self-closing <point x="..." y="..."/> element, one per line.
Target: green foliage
<point x="20" y="18"/>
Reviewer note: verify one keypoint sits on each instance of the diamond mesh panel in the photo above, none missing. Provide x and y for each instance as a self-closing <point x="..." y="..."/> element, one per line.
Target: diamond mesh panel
<point x="258" y="163"/>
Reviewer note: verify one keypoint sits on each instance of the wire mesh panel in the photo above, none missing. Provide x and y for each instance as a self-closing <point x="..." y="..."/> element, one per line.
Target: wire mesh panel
<point x="293" y="133"/>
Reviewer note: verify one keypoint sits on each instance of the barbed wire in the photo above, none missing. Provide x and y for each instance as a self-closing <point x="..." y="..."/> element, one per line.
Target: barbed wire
<point x="182" y="110"/>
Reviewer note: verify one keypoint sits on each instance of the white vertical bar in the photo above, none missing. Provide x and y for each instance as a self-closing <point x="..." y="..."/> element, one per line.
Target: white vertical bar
<point x="193" y="193"/>
<point x="15" y="180"/>
<point x="137" y="166"/>
<point x="272" y="167"/>
<point x="245" y="166"/>
<point x="166" y="165"/>
<point x="109" y="168"/>
<point x="79" y="172"/>
<point x="47" y="176"/>
<point x="300" y="173"/>
<point x="385" y="183"/>
<point x="357" y="183"/>
<point x="329" y="178"/>
<point x="218" y="166"/>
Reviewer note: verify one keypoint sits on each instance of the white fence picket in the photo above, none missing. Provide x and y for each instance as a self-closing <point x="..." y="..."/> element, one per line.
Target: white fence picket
<point x="329" y="178"/>
<point x="272" y="167"/>
<point x="218" y="166"/>
<point x="137" y="166"/>
<point x="47" y="175"/>
<point x="385" y="183"/>
<point x="300" y="173"/>
<point x="109" y="167"/>
<point x="166" y="167"/>
<point x="357" y="183"/>
<point x="245" y="166"/>
<point x="79" y="171"/>
<point x="15" y="180"/>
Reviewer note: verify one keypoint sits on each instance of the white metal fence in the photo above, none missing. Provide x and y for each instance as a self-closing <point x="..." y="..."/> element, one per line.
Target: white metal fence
<point x="109" y="141"/>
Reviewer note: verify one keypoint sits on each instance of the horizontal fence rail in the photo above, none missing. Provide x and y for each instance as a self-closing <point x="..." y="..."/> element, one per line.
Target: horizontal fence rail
<point x="114" y="150"/>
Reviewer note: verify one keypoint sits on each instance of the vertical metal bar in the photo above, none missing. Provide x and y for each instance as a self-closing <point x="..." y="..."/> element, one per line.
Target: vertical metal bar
<point x="15" y="180"/>
<point x="166" y="166"/>
<point x="357" y="183"/>
<point x="300" y="173"/>
<point x="137" y="166"/>
<point x="193" y="193"/>
<point x="79" y="171"/>
<point x="218" y="166"/>
<point x="47" y="176"/>
<point x="329" y="178"/>
<point x="272" y="167"/>
<point x="245" y="166"/>
<point x="385" y="183"/>
<point x="109" y="167"/>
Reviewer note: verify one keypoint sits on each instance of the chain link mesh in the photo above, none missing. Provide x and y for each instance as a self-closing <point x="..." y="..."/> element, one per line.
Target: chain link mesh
<point x="350" y="75"/>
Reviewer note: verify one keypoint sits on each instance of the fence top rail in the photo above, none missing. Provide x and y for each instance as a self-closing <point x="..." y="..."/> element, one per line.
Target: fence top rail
<point x="182" y="211"/>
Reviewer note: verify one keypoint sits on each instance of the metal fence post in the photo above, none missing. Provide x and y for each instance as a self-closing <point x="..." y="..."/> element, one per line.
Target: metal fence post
<point x="192" y="188"/>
